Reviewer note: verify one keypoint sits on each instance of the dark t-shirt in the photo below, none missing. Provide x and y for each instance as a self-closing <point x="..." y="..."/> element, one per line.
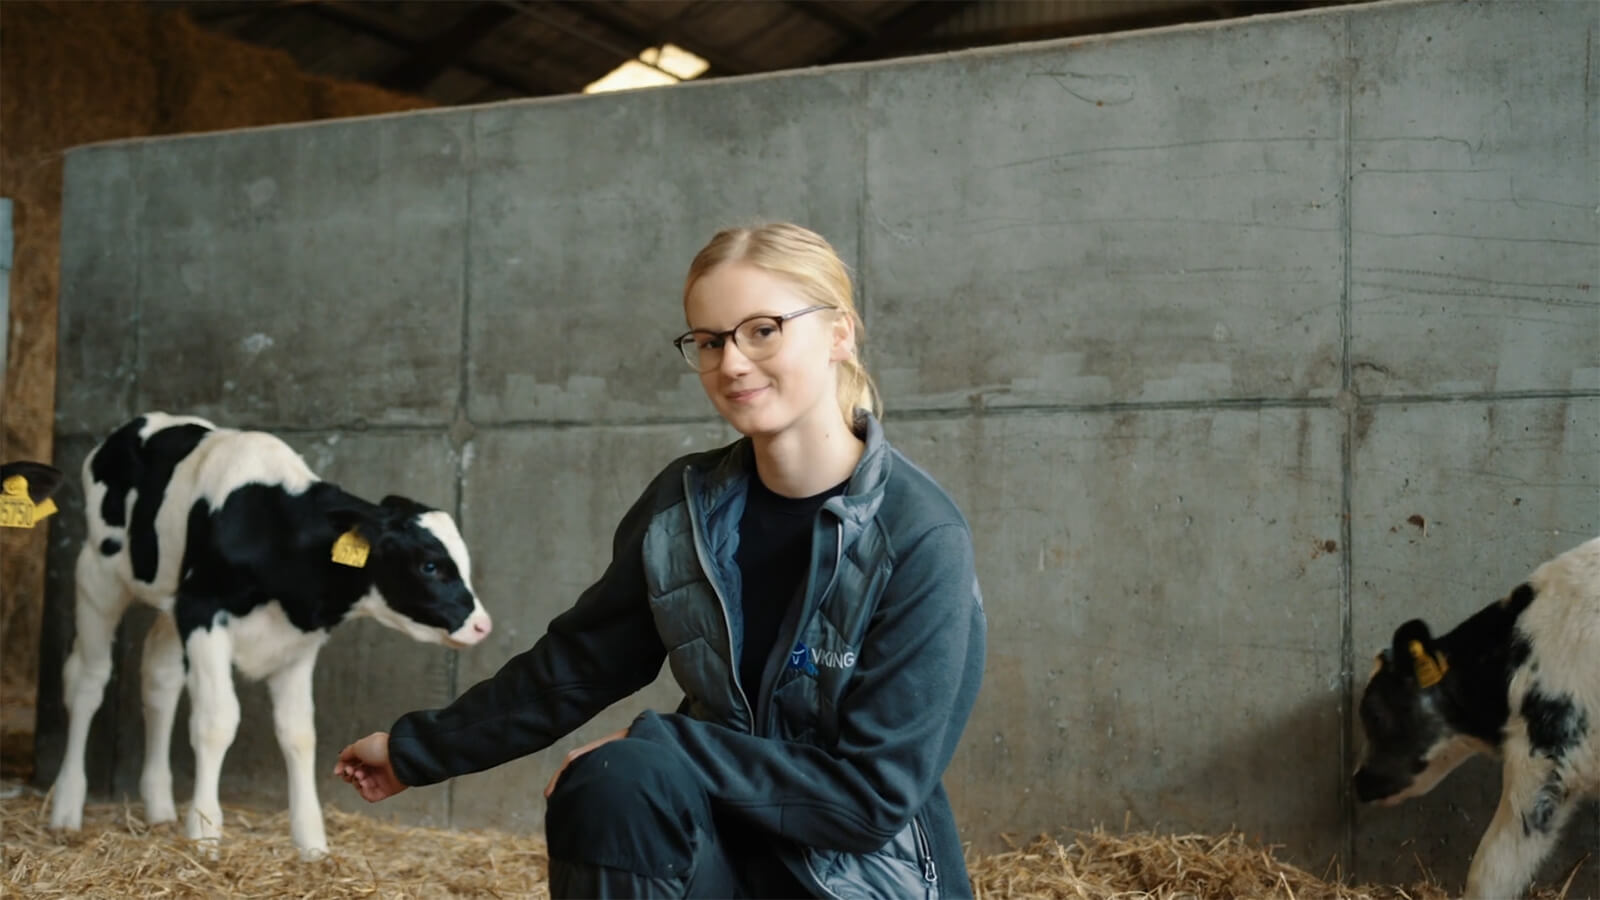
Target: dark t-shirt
<point x="774" y="550"/>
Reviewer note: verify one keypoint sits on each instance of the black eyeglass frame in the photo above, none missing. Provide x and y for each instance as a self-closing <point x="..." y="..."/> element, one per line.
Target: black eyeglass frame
<point x="731" y="334"/>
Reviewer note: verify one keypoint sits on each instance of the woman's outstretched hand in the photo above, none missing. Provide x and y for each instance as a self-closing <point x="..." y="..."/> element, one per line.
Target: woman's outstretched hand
<point x="365" y="764"/>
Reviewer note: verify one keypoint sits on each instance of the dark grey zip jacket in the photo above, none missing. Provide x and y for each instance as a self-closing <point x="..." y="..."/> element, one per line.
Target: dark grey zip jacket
<point x="839" y="753"/>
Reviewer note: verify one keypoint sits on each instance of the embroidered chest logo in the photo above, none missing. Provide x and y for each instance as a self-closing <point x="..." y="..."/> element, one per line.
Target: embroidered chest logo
<point x="806" y="659"/>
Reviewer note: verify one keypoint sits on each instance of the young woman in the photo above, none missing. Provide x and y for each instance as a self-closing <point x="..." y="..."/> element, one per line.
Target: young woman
<point x="815" y="595"/>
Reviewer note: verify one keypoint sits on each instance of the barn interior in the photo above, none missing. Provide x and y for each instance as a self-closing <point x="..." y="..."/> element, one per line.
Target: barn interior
<point x="1241" y="331"/>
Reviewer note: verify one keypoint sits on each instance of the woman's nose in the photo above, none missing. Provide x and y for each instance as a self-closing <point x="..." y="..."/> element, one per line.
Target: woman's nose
<point x="734" y="362"/>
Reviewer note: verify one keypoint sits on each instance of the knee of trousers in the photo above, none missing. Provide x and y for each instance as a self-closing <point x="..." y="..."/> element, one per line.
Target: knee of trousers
<point x="629" y="804"/>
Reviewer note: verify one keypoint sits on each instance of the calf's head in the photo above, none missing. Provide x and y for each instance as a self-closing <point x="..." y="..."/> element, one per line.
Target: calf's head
<point x="421" y="572"/>
<point x="1410" y="744"/>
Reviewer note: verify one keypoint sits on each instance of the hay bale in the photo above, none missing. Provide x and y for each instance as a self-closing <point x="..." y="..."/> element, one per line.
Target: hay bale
<point x="117" y="855"/>
<point x="16" y="729"/>
<point x="340" y="99"/>
<point x="211" y="84"/>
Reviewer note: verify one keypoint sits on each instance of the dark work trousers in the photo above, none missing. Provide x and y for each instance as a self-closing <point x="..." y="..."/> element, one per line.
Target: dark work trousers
<point x="628" y="819"/>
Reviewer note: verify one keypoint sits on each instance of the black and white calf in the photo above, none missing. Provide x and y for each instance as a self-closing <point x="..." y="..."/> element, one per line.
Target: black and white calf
<point x="251" y="559"/>
<point x="1519" y="679"/>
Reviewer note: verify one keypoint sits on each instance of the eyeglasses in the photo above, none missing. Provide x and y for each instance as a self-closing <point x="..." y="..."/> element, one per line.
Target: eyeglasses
<point x="757" y="337"/>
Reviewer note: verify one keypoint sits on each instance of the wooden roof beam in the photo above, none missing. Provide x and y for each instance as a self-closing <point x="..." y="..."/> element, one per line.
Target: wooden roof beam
<point x="608" y="16"/>
<point x="367" y="19"/>
<point x="834" y="17"/>
<point x="899" y="35"/>
<point x="448" y="49"/>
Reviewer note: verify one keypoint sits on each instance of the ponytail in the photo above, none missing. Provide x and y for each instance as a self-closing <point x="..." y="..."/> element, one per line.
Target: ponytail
<point x="857" y="391"/>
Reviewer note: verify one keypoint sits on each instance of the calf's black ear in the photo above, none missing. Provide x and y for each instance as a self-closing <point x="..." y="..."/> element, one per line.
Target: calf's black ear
<point x="354" y="525"/>
<point x="344" y="510"/>
<point x="1416" y="656"/>
<point x="404" y="506"/>
<point x="43" y="480"/>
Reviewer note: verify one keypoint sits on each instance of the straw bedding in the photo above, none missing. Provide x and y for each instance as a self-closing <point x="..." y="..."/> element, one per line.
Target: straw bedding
<point x="116" y="855"/>
<point x="1099" y="865"/>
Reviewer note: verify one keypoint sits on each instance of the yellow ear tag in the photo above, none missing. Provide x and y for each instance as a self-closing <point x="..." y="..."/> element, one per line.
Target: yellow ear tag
<point x="1430" y="670"/>
<point x="16" y="510"/>
<point x="44" y="510"/>
<point x="351" y="550"/>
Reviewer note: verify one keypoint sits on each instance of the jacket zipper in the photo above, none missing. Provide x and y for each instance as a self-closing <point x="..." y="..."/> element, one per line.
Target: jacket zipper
<point x="838" y="557"/>
<point x="806" y="609"/>
<point x="930" y="872"/>
<point x="722" y="602"/>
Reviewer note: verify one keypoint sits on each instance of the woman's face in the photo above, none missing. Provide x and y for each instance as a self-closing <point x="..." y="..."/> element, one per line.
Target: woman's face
<point x="792" y="379"/>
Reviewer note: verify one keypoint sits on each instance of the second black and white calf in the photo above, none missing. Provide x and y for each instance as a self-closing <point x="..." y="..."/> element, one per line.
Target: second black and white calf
<point x="1520" y="679"/>
<point x="251" y="560"/>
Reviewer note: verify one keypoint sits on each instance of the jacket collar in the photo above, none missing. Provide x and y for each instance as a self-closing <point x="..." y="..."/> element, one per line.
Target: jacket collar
<point x="725" y="477"/>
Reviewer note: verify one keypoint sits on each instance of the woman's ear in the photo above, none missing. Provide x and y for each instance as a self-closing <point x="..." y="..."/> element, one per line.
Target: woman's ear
<point x="843" y="345"/>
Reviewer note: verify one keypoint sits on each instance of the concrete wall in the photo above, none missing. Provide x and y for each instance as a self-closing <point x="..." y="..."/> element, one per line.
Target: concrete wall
<point x="1191" y="322"/>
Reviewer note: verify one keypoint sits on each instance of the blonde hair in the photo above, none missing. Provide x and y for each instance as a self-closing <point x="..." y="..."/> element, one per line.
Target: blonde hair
<point x="805" y="259"/>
